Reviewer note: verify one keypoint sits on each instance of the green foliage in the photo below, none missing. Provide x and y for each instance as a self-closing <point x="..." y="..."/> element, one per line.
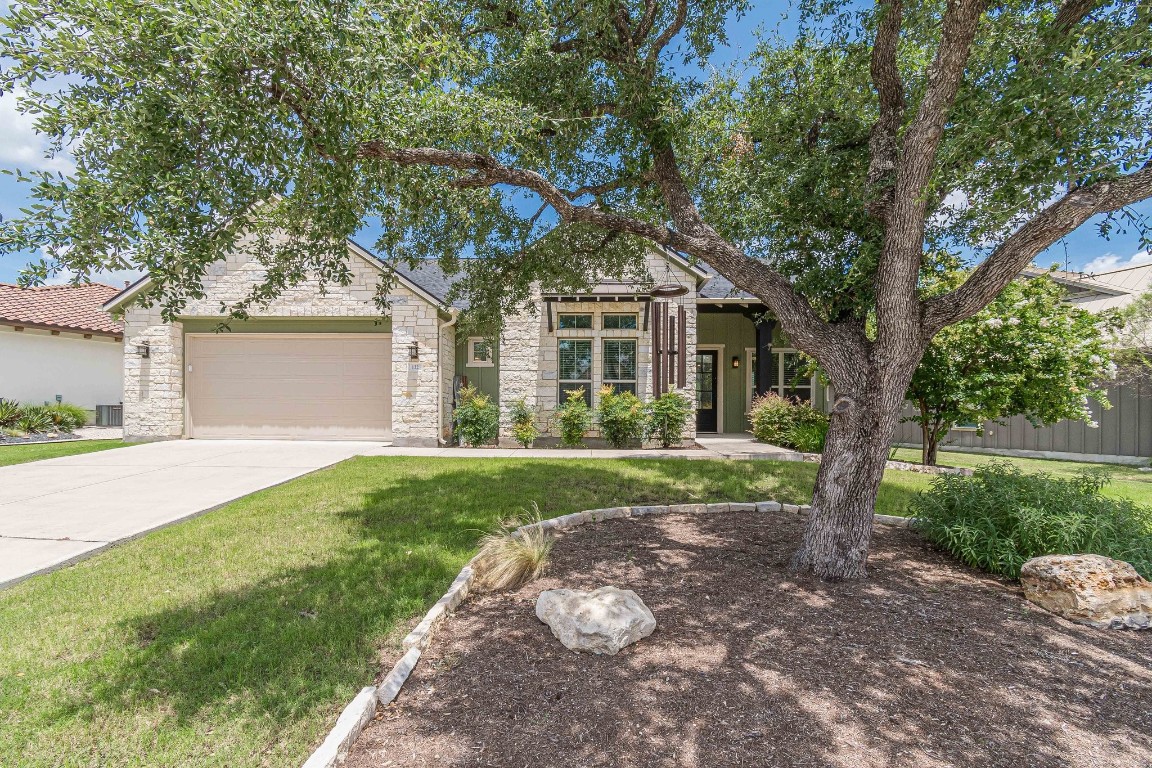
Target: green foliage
<point x="573" y="419"/>
<point x="523" y="420"/>
<point x="477" y="418"/>
<point x="667" y="417"/>
<point x="808" y="436"/>
<point x="10" y="413"/>
<point x="1001" y="517"/>
<point x="621" y="417"/>
<point x="1132" y="346"/>
<point x="66" y="416"/>
<point x="35" y="418"/>
<point x="781" y="421"/>
<point x="1028" y="352"/>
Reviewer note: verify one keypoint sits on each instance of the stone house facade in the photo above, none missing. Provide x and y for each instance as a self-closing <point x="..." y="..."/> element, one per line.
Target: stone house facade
<point x="322" y="363"/>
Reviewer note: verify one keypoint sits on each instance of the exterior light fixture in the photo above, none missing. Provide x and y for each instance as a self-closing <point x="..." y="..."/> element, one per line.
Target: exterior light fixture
<point x="735" y="361"/>
<point x="143" y="350"/>
<point x="414" y="351"/>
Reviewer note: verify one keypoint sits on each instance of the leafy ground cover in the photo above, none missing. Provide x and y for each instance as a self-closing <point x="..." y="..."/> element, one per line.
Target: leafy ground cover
<point x="235" y="638"/>
<point x="23" y="453"/>
<point x="1124" y="482"/>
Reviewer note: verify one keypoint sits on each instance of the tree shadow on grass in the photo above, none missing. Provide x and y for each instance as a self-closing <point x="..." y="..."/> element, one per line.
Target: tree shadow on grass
<point x="292" y="646"/>
<point x="925" y="664"/>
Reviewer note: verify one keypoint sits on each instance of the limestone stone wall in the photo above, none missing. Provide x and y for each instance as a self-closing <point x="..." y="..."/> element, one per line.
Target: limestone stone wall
<point x="154" y="388"/>
<point x="528" y="350"/>
<point x="153" y="385"/>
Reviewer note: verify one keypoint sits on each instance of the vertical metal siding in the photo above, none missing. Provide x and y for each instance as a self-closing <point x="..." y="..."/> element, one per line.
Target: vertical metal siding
<point x="1125" y="430"/>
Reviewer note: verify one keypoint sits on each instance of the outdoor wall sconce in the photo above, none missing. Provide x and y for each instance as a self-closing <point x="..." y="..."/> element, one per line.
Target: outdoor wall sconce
<point x="142" y="350"/>
<point x="735" y="361"/>
<point x="414" y="351"/>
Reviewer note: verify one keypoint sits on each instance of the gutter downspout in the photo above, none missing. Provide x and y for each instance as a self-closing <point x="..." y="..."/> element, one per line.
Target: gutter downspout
<point x="454" y="315"/>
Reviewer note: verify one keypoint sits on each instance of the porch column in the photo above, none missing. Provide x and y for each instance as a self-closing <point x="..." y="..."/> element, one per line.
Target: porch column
<point x="764" y="331"/>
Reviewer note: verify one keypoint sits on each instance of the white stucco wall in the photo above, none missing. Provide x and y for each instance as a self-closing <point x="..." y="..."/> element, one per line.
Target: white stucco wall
<point x="35" y="366"/>
<point x="154" y="409"/>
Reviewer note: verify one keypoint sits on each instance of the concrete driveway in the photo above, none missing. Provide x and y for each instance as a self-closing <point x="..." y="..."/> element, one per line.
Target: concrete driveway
<point x="57" y="511"/>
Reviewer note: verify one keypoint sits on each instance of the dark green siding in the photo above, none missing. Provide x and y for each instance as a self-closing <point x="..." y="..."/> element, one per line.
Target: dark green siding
<point x="484" y="378"/>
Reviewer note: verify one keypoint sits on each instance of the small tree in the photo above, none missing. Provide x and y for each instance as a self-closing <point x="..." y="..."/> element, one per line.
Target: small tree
<point x="1028" y="353"/>
<point x="1132" y="346"/>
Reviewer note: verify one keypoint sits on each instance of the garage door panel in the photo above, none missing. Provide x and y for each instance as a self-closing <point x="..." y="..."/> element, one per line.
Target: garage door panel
<point x="290" y="386"/>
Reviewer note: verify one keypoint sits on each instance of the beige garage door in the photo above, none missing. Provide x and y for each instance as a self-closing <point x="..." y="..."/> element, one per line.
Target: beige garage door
<point x="319" y="386"/>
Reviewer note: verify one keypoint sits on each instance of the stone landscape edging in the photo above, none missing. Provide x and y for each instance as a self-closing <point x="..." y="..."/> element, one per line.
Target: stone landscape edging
<point x="362" y="709"/>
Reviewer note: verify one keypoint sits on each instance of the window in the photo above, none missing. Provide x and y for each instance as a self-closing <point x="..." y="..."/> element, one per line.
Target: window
<point x="620" y="364"/>
<point x="788" y="377"/>
<point x="619" y="322"/>
<point x="574" y="322"/>
<point x="574" y="360"/>
<point x="479" y="352"/>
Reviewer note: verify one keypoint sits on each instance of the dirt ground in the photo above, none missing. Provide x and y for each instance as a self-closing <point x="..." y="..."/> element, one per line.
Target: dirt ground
<point x="926" y="663"/>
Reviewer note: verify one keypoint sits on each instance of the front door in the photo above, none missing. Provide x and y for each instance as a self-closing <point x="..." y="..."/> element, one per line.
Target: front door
<point x="706" y="365"/>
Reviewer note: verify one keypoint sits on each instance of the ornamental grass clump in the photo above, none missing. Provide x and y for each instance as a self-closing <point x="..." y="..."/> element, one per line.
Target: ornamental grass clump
<point x="573" y="419"/>
<point x="513" y="554"/>
<point x="621" y="417"/>
<point x="1000" y="517"/>
<point x="477" y="418"/>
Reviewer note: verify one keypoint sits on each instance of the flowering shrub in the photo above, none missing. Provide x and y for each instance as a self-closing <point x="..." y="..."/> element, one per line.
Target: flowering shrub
<point x="1027" y="353"/>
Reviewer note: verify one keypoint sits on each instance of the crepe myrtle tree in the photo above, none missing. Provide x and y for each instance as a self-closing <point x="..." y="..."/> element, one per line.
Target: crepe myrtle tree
<point x="819" y="175"/>
<point x="1027" y="353"/>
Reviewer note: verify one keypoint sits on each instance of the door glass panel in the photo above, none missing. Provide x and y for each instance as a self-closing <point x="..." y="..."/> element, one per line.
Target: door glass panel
<point x="705" y="394"/>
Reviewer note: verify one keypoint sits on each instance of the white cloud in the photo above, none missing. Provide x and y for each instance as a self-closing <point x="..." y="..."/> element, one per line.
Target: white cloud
<point x="1110" y="261"/>
<point x="20" y="146"/>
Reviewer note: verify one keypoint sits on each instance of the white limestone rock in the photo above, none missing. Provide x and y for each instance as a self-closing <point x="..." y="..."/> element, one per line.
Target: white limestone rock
<point x="601" y="621"/>
<point x="1089" y="589"/>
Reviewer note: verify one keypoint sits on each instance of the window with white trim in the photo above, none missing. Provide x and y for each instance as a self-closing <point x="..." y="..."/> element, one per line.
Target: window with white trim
<point x="786" y="376"/>
<point x="479" y="352"/>
<point x="574" y="361"/>
<point x="620" y="364"/>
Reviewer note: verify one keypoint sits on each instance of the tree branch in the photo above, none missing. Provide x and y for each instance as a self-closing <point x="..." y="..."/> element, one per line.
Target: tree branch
<point x="1023" y="245"/>
<point x="883" y="146"/>
<point x="1071" y="13"/>
<point x="670" y="32"/>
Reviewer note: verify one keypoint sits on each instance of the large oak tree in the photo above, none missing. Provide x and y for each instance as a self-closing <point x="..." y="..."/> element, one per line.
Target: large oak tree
<point x="826" y="175"/>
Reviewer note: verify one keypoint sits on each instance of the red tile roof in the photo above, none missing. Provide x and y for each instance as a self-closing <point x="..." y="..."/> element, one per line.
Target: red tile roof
<point x="67" y="307"/>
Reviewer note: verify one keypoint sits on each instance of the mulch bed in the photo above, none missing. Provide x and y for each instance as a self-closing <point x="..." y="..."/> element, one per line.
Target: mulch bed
<point x="926" y="663"/>
<point x="38" y="437"/>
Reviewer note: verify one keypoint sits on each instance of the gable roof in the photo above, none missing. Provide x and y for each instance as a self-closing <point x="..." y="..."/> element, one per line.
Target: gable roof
<point x="122" y="298"/>
<point x="60" y="307"/>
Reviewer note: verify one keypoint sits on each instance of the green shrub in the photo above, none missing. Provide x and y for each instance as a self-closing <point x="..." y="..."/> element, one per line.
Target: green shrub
<point x="523" y="423"/>
<point x="808" y="437"/>
<point x="1001" y="517"/>
<point x="780" y="421"/>
<point x="10" y="413"/>
<point x="477" y="418"/>
<point x="35" y="418"/>
<point x="573" y="419"/>
<point x="66" y="416"/>
<point x="667" y="416"/>
<point x="621" y="416"/>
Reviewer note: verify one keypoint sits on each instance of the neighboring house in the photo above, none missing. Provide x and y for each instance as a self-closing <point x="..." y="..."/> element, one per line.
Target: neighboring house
<point x="325" y="365"/>
<point x="1124" y="431"/>
<point x="57" y="343"/>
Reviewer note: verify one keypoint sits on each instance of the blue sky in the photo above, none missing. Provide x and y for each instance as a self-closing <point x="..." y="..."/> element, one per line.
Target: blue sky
<point x="1083" y="250"/>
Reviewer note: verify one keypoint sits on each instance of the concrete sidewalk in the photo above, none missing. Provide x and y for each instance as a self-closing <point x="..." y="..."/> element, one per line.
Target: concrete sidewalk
<point x="57" y="511"/>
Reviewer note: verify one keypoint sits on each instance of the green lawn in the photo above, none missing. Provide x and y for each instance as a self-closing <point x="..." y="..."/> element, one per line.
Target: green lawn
<point x="1124" y="481"/>
<point x="19" y="454"/>
<point x="235" y="638"/>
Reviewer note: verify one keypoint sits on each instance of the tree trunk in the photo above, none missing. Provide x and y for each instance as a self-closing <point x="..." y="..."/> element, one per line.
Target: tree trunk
<point x="931" y="447"/>
<point x="835" y="545"/>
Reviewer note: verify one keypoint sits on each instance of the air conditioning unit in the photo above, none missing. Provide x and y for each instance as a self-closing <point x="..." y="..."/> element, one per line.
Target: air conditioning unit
<point x="110" y="415"/>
